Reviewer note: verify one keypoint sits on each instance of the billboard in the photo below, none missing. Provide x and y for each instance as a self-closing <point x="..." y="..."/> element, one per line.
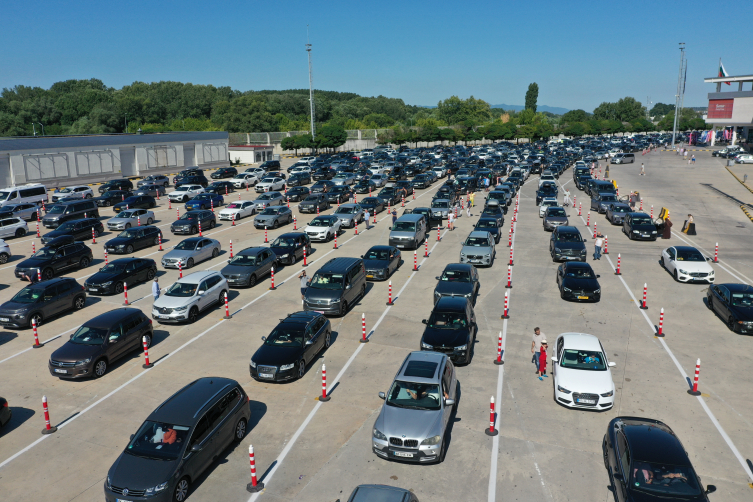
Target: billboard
<point x="720" y="108"/>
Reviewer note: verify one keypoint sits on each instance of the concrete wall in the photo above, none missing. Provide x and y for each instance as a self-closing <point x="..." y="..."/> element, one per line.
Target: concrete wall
<point x="251" y="154"/>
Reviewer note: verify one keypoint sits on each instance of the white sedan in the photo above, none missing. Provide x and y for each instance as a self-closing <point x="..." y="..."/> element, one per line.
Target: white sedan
<point x="547" y="177"/>
<point x="270" y="183"/>
<point x="323" y="228"/>
<point x="546" y="203"/>
<point x="185" y="193"/>
<point x="687" y="264"/>
<point x="582" y="374"/>
<point x="240" y="209"/>
<point x="244" y="180"/>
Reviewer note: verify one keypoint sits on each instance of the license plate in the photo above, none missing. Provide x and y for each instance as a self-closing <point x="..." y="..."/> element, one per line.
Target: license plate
<point x="93" y="289"/>
<point x="60" y="371"/>
<point x="582" y="298"/>
<point x="646" y="235"/>
<point x="161" y="316"/>
<point x="266" y="375"/>
<point x="4" y="319"/>
<point x="122" y="500"/>
<point x="585" y="401"/>
<point x="401" y="245"/>
<point x="369" y="276"/>
<point x="402" y="454"/>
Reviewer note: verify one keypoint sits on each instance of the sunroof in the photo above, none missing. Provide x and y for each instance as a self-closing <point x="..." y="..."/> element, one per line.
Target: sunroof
<point x="421" y="369"/>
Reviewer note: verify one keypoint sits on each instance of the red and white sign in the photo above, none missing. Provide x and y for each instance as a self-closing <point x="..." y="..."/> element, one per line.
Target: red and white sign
<point x="720" y="108"/>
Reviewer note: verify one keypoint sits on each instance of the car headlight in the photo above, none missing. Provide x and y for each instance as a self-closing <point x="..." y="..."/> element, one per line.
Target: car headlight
<point x="107" y="483"/>
<point x="156" y="489"/>
<point x="653" y="232"/>
<point x="105" y="284"/>
<point x="252" y="363"/>
<point x="682" y="271"/>
<point x="636" y="232"/>
<point x="378" y="435"/>
<point x="287" y="367"/>
<point x="607" y="394"/>
<point x="567" y="289"/>
<point x="121" y="246"/>
<point x="711" y="273"/>
<point x="487" y="256"/>
<point x="85" y="361"/>
<point x="426" y="346"/>
<point x="462" y="347"/>
<point x="563" y="390"/>
<point x="557" y="250"/>
<point x="285" y="255"/>
<point x="432" y="440"/>
<point x="180" y="309"/>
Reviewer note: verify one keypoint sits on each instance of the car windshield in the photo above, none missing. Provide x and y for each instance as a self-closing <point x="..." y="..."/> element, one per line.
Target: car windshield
<point x="267" y="196"/>
<point x="620" y="209"/>
<point x="244" y="260"/>
<point x="377" y="254"/>
<point x="416" y="396"/>
<point x="326" y="280"/>
<point x="312" y="198"/>
<point x="455" y="276"/>
<point x="268" y="180"/>
<point x="642" y="220"/>
<point x="608" y="198"/>
<point x="131" y="232"/>
<point x="689" y="255"/>
<point x="182" y="289"/>
<point x="45" y="253"/>
<point x="283" y="243"/>
<point x="286" y="336"/>
<point x="568" y="237"/>
<point x="664" y="480"/>
<point x="67" y="227"/>
<point x="235" y="205"/>
<point x="271" y="211"/>
<point x="27" y="295"/>
<point x="56" y="209"/>
<point x="158" y="441"/>
<point x="89" y="336"/>
<point x="187" y="245"/>
<point x="447" y="320"/>
<point x="742" y="299"/>
<point x="66" y="190"/>
<point x="440" y="204"/>
<point x="557" y="212"/>
<point x="476" y="241"/>
<point x="321" y="222"/>
<point x="580" y="273"/>
<point x="370" y="201"/>
<point x="113" y="268"/>
<point x="127" y="214"/>
<point x="346" y="210"/>
<point x="404" y="226"/>
<point x="588" y="360"/>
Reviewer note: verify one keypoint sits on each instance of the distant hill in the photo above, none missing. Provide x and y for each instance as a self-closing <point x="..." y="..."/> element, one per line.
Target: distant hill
<point x="541" y="108"/>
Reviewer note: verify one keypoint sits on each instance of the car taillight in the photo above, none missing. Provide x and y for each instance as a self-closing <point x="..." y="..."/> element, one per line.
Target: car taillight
<point x="5" y="404"/>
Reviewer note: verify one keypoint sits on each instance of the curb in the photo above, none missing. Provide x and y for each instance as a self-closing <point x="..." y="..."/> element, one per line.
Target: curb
<point x="738" y="179"/>
<point x="747" y="213"/>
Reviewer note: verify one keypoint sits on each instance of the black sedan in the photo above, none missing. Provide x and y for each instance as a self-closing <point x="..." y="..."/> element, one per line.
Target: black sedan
<point x="734" y="304"/>
<point x="115" y="185"/>
<point x="314" y="203"/>
<point x="373" y="205"/>
<point x="325" y="173"/>
<point x="134" y="238"/>
<point x="298" y="179"/>
<point x="135" y="202"/>
<point x="577" y="281"/>
<point x="339" y="194"/>
<point x="458" y="279"/>
<point x="638" y="226"/>
<point x="494" y="211"/>
<point x="224" y="172"/>
<point x="491" y="225"/>
<point x="80" y="230"/>
<point x="112" y="197"/>
<point x="295" y="342"/>
<point x="390" y="195"/>
<point x="298" y="193"/>
<point x="322" y="186"/>
<point x="451" y="329"/>
<point x="616" y="212"/>
<point x="364" y="186"/>
<point x="220" y="188"/>
<point x="646" y="462"/>
<point x="545" y="190"/>
<point x="289" y="247"/>
<point x="110" y="278"/>
<point x="189" y="222"/>
<point x="381" y="261"/>
<point x="248" y="265"/>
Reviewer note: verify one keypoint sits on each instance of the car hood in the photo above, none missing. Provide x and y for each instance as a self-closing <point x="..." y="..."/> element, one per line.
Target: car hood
<point x="275" y="355"/>
<point x="55" y="233"/>
<point x="584" y="381"/>
<point x="33" y="263"/>
<point x="413" y="424"/>
<point x="14" y="307"/>
<point x="180" y="253"/>
<point x="694" y="266"/>
<point x="309" y="228"/>
<point x="447" y="288"/>
<point x="102" y="277"/>
<point x="375" y="264"/>
<point x="561" y="219"/>
<point x="474" y="250"/>
<point x="584" y="284"/>
<point x="743" y="313"/>
<point x="137" y="473"/>
<point x="570" y="245"/>
<point x="71" y="352"/>
<point x="172" y="302"/>
<point x="119" y="220"/>
<point x="266" y="217"/>
<point x="119" y="240"/>
<point x="446" y="337"/>
<point x="323" y="294"/>
<point x="238" y="269"/>
<point x="231" y="210"/>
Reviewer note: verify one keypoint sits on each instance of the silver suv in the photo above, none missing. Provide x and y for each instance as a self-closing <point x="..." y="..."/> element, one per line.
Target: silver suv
<point x="418" y="407"/>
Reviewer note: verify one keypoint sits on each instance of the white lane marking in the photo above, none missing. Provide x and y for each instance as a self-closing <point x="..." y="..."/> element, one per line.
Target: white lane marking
<point x="719" y="263"/>
<point x="708" y="411"/>
<point x="689" y="241"/>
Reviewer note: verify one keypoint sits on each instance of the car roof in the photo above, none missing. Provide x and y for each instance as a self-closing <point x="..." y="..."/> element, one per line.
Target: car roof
<point x="380" y="247"/>
<point x="379" y="493"/>
<point x="301" y="317"/>
<point x="479" y="233"/>
<point x="582" y="341"/>
<point x="56" y="280"/>
<point x="451" y="303"/>
<point x="108" y="319"/>
<point x="635" y="213"/>
<point x="197" y="276"/>
<point x="251" y="251"/>
<point x="653" y="441"/>
<point x="422" y="357"/>
<point x="685" y="248"/>
<point x="737" y="287"/>
<point x="465" y="267"/>
<point x="184" y="406"/>
<point x="338" y="264"/>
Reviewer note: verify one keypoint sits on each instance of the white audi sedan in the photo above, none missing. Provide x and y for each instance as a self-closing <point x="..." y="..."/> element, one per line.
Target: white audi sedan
<point x="581" y="371"/>
<point x="687" y="264"/>
<point x="238" y="210"/>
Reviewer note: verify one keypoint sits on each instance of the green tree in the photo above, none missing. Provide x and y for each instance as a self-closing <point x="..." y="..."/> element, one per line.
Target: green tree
<point x="331" y="136"/>
<point x="660" y="110"/>
<point x="574" y="116"/>
<point x="288" y="143"/>
<point x="454" y="110"/>
<point x="532" y="96"/>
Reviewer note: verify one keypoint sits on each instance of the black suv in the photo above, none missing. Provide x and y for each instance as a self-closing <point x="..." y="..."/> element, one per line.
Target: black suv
<point x="111" y="277"/>
<point x="567" y="244"/>
<point x="194" y="171"/>
<point x="179" y="441"/>
<point x="41" y="301"/>
<point x="451" y="329"/>
<point x="638" y="226"/>
<point x="189" y="222"/>
<point x="288" y="248"/>
<point x="80" y="230"/>
<point x="270" y="165"/>
<point x="135" y="202"/>
<point x="101" y="341"/>
<point x="112" y="197"/>
<point x="224" y="172"/>
<point x="123" y="184"/>
<point x="191" y="180"/>
<point x="54" y="258"/>
<point x="134" y="238"/>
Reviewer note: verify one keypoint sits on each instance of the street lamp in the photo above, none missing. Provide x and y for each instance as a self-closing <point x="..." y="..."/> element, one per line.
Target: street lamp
<point x="42" y="127"/>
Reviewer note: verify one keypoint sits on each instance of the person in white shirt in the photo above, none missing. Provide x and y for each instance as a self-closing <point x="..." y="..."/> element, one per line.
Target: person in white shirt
<point x="155" y="288"/>
<point x="598" y="242"/>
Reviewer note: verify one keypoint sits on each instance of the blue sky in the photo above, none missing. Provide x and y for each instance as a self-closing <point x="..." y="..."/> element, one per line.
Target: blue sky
<point x="580" y="53"/>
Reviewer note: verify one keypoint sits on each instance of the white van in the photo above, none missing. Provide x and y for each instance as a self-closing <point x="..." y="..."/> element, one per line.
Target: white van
<point x="35" y="193"/>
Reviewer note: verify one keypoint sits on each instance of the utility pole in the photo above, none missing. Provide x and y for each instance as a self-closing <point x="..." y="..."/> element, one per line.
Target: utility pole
<point x="680" y="89"/>
<point x="311" y="85"/>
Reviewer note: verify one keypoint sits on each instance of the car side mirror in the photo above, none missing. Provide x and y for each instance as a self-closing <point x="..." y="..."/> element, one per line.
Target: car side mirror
<point x="114" y="339"/>
<point x="618" y="477"/>
<point x="196" y="448"/>
<point x="554" y="359"/>
<point x="585" y="240"/>
<point x="134" y="435"/>
<point x="201" y="293"/>
<point x="423" y="321"/>
<point x="382" y="395"/>
<point x="597" y="276"/>
<point x="449" y="402"/>
<point x="710" y="488"/>
<point x="229" y="261"/>
<point x="612" y="364"/>
<point x="708" y="258"/>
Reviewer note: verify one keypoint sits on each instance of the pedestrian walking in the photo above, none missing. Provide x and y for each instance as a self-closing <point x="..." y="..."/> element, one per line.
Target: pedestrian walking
<point x="643" y="169"/>
<point x="542" y="361"/>
<point x="450" y="220"/>
<point x="304" y="284"/>
<point x="155" y="288"/>
<point x="394" y="216"/>
<point x="366" y="217"/>
<point x="473" y="199"/>
<point x="486" y="184"/>
<point x="598" y="243"/>
<point x="692" y="159"/>
<point x="538" y="337"/>
<point x="468" y="207"/>
<point x="566" y="202"/>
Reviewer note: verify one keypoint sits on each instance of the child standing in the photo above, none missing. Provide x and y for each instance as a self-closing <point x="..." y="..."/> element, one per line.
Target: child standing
<point x="542" y="361"/>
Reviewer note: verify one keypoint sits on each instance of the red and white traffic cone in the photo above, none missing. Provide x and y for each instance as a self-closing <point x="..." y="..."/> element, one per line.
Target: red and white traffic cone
<point x="272" y="276"/>
<point x="439" y="233"/>
<point x="660" y="330"/>
<point x="618" y="271"/>
<point x="246" y="188"/>
<point x="509" y="277"/>
<point x="426" y="248"/>
<point x="125" y="293"/>
<point x="389" y="298"/>
<point x="606" y="243"/>
<point x="324" y="397"/>
<point x="94" y="237"/>
<point x="335" y="246"/>
<point x="414" y="194"/>
<point x="36" y="335"/>
<point x="499" y="360"/>
<point x="511" y="252"/>
<point x="355" y="198"/>
<point x="159" y="237"/>
<point x="375" y="220"/>
<point x="105" y="256"/>
<point x="580" y="207"/>
<point x="266" y="240"/>
<point x="146" y="364"/>
<point x="641" y="208"/>
<point x="716" y="253"/>
<point x="180" y="270"/>
<point x="652" y="211"/>
<point x="231" y="248"/>
<point x="506" y="314"/>
<point x="177" y="212"/>
<point x="138" y="221"/>
<point x="200" y="233"/>
<point x="694" y="391"/>
<point x="575" y="198"/>
<point x="363" y="329"/>
<point x="305" y="264"/>
<point x="254" y="486"/>
<point x="169" y="203"/>
<point x="402" y="204"/>
<point x="588" y="219"/>
<point x="232" y="219"/>
<point x="33" y="248"/>
<point x="39" y="275"/>
<point x="491" y="431"/>
<point x="295" y="223"/>
<point x="288" y="202"/>
<point x="594" y="227"/>
<point x="355" y="224"/>
<point x="226" y="193"/>
<point x="644" y="306"/>
<point x="239" y="196"/>
<point x="415" y="261"/>
<point x="48" y="429"/>
<point x="39" y="236"/>
<point x="509" y="239"/>
<point x="317" y="210"/>
<point x="227" y="308"/>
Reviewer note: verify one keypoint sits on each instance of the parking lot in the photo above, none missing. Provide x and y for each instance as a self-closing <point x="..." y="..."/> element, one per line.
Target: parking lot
<point x="310" y="450"/>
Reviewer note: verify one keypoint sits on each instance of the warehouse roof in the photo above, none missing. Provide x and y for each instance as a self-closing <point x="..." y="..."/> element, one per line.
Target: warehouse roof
<point x="9" y="144"/>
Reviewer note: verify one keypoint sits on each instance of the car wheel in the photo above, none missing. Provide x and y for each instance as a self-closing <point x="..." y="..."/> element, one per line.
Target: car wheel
<point x="155" y="241"/>
<point x="275" y="225"/>
<point x="731" y="324"/>
<point x="88" y="196"/>
<point x="106" y="203"/>
<point x="189" y="263"/>
<point x="149" y="221"/>
<point x="118" y="288"/>
<point x="194" y="230"/>
<point x="708" y="304"/>
<point x="148" y="341"/>
<point x="129" y="249"/>
<point x="79" y="302"/>
<point x="128" y="225"/>
<point x="240" y="430"/>
<point x="215" y="253"/>
<point x="4" y="257"/>
<point x="301" y="369"/>
<point x="193" y="315"/>
<point x="604" y="452"/>
<point x="100" y="368"/>
<point x="20" y="232"/>
<point x="37" y="318"/>
<point x="184" y="199"/>
<point x="443" y="450"/>
<point x="343" y="308"/>
<point x="180" y="493"/>
<point x="83" y="263"/>
<point x="211" y="224"/>
<point x="327" y="339"/>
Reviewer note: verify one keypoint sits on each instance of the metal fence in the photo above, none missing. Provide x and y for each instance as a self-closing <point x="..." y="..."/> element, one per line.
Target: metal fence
<point x="266" y="138"/>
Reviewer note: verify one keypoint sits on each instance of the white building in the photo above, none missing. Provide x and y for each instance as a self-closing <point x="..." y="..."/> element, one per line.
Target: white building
<point x="733" y="107"/>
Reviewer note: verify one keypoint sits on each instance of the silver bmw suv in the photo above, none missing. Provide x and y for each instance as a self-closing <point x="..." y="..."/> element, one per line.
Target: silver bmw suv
<point x="417" y="410"/>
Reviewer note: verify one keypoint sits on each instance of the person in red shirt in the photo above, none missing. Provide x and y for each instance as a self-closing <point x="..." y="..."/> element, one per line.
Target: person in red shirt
<point x="542" y="361"/>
